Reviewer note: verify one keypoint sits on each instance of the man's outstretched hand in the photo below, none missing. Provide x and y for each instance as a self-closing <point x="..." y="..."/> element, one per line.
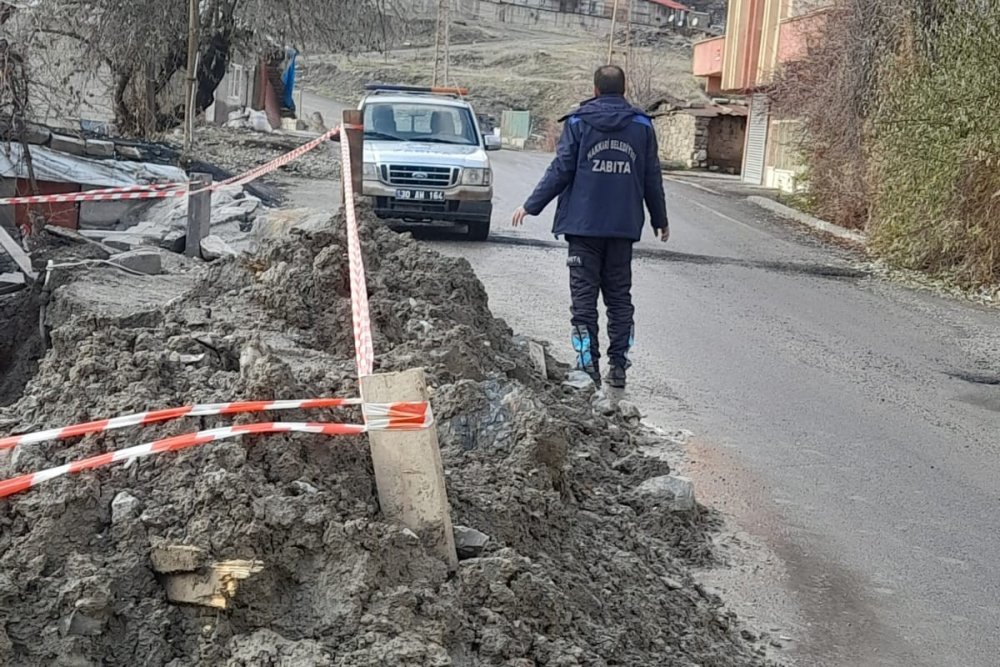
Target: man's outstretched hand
<point x="519" y="215"/>
<point x="663" y="233"/>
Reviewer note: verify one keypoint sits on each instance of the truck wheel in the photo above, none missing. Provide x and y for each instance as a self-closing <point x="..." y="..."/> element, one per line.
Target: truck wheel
<point x="479" y="231"/>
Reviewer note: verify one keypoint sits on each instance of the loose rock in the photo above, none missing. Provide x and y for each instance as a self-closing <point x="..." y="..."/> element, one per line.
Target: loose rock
<point x="672" y="492"/>
<point x="213" y="248"/>
<point x="469" y="542"/>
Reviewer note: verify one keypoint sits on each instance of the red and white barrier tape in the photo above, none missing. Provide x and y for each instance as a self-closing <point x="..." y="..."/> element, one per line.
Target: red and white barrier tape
<point x="75" y="197"/>
<point x="168" y="190"/>
<point x="277" y="163"/>
<point x="363" y="347"/>
<point x="167" y="414"/>
<point x="22" y="483"/>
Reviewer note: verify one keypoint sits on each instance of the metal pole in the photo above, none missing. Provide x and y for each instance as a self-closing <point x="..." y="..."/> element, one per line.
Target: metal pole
<point x="437" y="42"/>
<point x="628" y="37"/>
<point x="192" y="57"/>
<point x="447" y="38"/>
<point x="611" y="37"/>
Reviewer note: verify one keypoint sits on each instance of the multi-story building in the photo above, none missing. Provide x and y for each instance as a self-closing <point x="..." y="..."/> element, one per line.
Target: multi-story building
<point x="761" y="36"/>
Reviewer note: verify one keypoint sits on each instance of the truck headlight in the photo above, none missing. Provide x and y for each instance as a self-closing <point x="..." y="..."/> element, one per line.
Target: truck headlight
<point x="369" y="171"/>
<point x="477" y="176"/>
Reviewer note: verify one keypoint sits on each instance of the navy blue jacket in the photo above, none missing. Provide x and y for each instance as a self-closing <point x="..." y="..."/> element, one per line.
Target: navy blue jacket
<point x="607" y="165"/>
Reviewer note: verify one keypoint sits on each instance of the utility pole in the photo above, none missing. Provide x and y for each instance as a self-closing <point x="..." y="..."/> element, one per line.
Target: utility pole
<point x="628" y="37"/>
<point x="192" y="75"/>
<point x="611" y="37"/>
<point x="442" y="42"/>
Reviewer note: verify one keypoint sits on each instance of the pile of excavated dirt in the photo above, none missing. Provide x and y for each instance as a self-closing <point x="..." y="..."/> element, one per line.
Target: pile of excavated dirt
<point x="579" y="570"/>
<point x="239" y="150"/>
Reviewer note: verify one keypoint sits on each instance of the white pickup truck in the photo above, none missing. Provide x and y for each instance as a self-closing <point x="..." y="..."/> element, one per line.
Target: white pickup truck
<point x="425" y="158"/>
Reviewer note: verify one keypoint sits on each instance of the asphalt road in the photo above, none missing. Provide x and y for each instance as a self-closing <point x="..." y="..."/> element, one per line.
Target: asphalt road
<point x="848" y="424"/>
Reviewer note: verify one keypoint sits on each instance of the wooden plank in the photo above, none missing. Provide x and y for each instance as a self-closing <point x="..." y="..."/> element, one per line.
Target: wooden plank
<point x="17" y="253"/>
<point x="408" y="469"/>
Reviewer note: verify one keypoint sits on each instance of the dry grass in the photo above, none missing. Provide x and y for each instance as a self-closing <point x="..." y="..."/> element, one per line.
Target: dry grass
<point x="540" y="72"/>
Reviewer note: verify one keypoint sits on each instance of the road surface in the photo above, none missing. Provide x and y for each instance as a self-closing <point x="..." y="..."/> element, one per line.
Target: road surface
<point x="848" y="424"/>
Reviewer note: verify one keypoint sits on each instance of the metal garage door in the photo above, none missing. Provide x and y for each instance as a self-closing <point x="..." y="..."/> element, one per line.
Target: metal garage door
<point x="753" y="156"/>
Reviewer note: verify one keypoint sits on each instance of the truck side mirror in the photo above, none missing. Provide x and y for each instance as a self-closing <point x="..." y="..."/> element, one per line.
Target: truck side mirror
<point x="491" y="142"/>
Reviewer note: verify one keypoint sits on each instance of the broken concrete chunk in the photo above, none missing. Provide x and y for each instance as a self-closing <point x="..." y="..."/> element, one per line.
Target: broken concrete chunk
<point x="578" y="380"/>
<point x="213" y="248"/>
<point x="629" y="410"/>
<point x="469" y="542"/>
<point x="214" y="588"/>
<point x="177" y="558"/>
<point x="129" y="152"/>
<point x="603" y="403"/>
<point x="174" y="241"/>
<point x="11" y="282"/>
<point x="143" y="261"/>
<point x="71" y="145"/>
<point x="124" y="506"/>
<point x="671" y="491"/>
<point x="537" y="353"/>
<point x="100" y="148"/>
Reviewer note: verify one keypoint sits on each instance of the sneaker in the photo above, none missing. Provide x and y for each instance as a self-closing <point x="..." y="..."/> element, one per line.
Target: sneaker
<point x="616" y="377"/>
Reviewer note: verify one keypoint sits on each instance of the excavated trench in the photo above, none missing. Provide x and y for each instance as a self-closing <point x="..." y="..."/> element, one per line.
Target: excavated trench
<point x="20" y="343"/>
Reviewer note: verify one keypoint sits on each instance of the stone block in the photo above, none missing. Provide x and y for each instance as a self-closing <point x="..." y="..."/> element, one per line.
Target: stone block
<point x="33" y="134"/>
<point x="100" y="148"/>
<point x="175" y="240"/>
<point x="129" y="152"/>
<point x="71" y="145"/>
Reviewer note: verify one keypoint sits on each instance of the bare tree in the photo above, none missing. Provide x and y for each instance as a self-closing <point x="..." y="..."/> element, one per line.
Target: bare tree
<point x="142" y="44"/>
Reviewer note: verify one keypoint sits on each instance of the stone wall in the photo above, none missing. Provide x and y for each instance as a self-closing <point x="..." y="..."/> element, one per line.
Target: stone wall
<point x="689" y="141"/>
<point x="683" y="140"/>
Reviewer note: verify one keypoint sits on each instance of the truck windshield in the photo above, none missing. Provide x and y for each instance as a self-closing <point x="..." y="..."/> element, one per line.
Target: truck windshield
<point x="408" y="121"/>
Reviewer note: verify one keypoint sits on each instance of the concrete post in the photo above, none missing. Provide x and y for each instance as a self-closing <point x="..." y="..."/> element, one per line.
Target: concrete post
<point x="408" y="469"/>
<point x="199" y="221"/>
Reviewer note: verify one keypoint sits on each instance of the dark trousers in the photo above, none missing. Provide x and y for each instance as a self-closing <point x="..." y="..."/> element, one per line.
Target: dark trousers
<point x="601" y="265"/>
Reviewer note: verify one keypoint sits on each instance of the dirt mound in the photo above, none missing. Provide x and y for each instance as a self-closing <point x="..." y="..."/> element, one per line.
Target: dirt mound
<point x="579" y="570"/>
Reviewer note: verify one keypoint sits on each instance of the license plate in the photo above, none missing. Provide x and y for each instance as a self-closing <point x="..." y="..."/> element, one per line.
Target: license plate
<point x="420" y="195"/>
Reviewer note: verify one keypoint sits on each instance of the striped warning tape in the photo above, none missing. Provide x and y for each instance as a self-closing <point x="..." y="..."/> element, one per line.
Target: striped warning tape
<point x="416" y="420"/>
<point x="168" y="190"/>
<point x="277" y="163"/>
<point x="94" y="196"/>
<point x="393" y="412"/>
<point x="363" y="347"/>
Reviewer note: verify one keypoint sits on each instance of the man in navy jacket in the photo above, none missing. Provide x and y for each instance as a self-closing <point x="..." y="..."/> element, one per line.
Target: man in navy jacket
<point x="606" y="167"/>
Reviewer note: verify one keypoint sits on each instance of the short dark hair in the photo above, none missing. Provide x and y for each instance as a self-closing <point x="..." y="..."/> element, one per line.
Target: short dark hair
<point x="610" y="80"/>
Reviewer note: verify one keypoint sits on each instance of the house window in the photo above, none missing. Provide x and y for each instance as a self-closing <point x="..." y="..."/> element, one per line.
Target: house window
<point x="785" y="139"/>
<point x="236" y="77"/>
